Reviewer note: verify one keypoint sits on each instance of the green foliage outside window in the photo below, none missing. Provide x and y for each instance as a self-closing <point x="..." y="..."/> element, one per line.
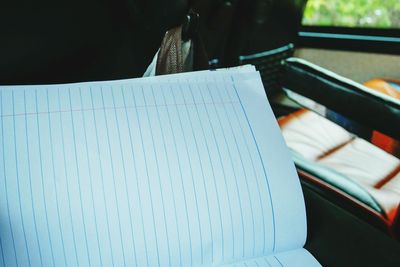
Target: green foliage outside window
<point x="353" y="13"/>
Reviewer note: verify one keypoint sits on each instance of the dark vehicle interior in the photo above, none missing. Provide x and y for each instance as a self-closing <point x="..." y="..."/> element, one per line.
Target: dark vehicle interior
<point x="334" y="90"/>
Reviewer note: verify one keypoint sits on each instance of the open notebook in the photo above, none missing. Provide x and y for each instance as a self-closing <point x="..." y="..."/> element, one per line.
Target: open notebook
<point x="178" y="170"/>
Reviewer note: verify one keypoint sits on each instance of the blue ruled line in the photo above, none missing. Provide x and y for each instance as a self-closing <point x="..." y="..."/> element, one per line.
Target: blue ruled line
<point x="148" y="179"/>
<point x="66" y="179"/>
<point x="90" y="176"/>
<point x="181" y="178"/>
<point x="223" y="172"/>
<point x="101" y="175"/>
<point x="124" y="171"/>
<point x="54" y="176"/>
<point x="5" y="182"/>
<point x="191" y="172"/>
<point x="18" y="181"/>
<point x="42" y="178"/>
<point x="234" y="173"/>
<point x="113" y="174"/>
<point x="262" y="162"/>
<point x="170" y="180"/>
<point x="136" y="175"/>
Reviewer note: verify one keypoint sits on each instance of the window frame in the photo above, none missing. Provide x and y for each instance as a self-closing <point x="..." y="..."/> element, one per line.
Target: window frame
<point x="377" y="40"/>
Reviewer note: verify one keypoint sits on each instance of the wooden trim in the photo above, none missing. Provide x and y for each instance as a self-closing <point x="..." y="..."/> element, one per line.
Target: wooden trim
<point x="377" y="218"/>
<point x="396" y="224"/>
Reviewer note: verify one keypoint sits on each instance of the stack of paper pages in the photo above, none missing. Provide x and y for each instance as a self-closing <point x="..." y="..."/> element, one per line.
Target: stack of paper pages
<point x="179" y="170"/>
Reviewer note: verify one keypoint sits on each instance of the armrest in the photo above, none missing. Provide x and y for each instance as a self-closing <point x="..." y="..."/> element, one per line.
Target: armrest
<point x="353" y="100"/>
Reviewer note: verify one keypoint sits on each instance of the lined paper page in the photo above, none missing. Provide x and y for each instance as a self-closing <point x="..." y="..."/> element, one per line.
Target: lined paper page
<point x="144" y="174"/>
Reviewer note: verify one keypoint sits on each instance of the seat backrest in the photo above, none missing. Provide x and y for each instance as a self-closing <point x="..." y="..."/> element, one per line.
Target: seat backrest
<point x="80" y="40"/>
<point x="344" y="96"/>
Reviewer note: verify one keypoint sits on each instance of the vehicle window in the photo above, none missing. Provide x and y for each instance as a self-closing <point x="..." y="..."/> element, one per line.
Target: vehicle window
<point x="383" y="14"/>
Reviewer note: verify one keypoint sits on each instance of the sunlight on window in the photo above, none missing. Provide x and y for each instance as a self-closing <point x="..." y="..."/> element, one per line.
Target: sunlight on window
<point x="353" y="13"/>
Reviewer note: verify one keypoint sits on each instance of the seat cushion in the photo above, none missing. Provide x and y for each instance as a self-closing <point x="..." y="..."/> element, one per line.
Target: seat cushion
<point x="362" y="162"/>
<point x="326" y="144"/>
<point x="311" y="135"/>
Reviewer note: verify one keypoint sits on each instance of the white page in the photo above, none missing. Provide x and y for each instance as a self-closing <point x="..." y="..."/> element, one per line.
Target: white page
<point x="144" y="174"/>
